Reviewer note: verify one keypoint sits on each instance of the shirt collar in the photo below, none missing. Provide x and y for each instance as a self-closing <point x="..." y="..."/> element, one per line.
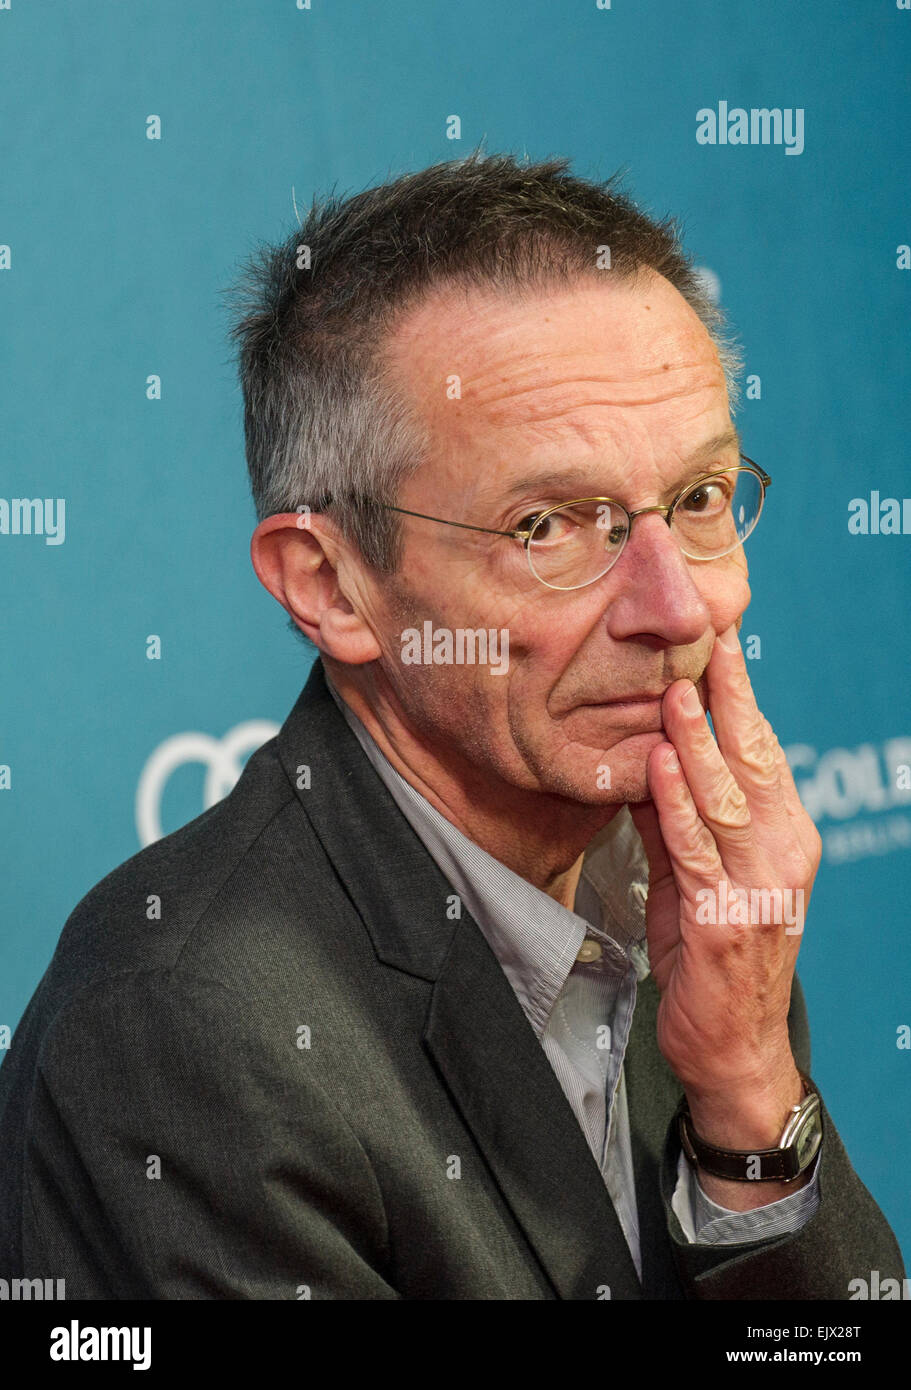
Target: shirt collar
<point x="535" y="938"/>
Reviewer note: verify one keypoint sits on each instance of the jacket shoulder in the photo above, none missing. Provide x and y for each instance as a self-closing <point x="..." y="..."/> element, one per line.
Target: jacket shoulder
<point x="144" y="914"/>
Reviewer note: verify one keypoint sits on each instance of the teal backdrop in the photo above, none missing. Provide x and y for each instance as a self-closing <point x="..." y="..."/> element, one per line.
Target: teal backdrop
<point x="118" y="235"/>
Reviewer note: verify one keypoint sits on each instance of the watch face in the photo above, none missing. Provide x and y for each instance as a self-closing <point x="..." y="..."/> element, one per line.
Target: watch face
<point x="807" y="1141"/>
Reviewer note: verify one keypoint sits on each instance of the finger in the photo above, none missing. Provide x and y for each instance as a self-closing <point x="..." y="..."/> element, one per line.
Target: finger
<point x="741" y="729"/>
<point x="690" y="845"/>
<point x="804" y="825"/>
<point x="757" y="760"/>
<point x="719" y="800"/>
<point x="789" y="792"/>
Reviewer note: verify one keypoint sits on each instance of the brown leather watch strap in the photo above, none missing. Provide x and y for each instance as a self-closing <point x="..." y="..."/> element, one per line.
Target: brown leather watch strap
<point x="744" y="1165"/>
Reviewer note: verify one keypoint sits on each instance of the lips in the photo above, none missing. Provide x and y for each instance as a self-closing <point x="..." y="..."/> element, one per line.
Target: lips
<point x="634" y="713"/>
<point x="637" y="699"/>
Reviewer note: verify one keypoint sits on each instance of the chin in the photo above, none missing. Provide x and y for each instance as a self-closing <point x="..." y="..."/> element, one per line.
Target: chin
<point x="573" y="772"/>
<point x="640" y="793"/>
<point x="628" y="784"/>
<point x="629" y="768"/>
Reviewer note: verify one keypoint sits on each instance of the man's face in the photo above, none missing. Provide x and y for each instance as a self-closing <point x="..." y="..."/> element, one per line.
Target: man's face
<point x="616" y="391"/>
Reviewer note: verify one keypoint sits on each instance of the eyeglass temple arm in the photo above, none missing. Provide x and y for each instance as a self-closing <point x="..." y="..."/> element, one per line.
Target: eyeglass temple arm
<point x="766" y="480"/>
<point x="463" y="525"/>
<point x="523" y="535"/>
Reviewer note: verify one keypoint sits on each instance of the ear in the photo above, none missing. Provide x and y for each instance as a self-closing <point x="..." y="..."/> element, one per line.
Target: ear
<point x="296" y="557"/>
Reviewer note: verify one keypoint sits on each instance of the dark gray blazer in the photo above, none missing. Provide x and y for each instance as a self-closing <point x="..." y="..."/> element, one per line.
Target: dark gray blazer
<point x="166" y="1131"/>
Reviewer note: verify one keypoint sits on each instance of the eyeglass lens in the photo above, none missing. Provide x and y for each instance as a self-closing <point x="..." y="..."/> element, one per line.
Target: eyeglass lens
<point x="579" y="543"/>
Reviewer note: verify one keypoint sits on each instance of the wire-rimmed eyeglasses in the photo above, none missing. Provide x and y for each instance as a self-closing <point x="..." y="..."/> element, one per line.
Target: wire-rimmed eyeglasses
<point x="573" y="544"/>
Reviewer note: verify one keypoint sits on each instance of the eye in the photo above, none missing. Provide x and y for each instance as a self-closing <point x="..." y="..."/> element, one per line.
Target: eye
<point x="556" y="527"/>
<point x="707" y="498"/>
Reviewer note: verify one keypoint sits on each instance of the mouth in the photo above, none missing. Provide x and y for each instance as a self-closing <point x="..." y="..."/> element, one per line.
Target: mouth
<point x="627" y="701"/>
<point x="635" y="700"/>
<point x="632" y="713"/>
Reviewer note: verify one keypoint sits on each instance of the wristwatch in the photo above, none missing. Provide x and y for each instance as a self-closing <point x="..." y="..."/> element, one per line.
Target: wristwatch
<point x="796" y="1149"/>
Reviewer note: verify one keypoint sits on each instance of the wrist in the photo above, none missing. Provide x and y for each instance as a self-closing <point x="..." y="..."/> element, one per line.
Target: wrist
<point x="751" y="1117"/>
<point x="741" y="1131"/>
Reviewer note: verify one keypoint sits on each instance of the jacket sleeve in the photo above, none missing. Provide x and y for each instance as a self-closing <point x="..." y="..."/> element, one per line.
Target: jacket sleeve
<point x="846" y="1239"/>
<point x="180" y="1148"/>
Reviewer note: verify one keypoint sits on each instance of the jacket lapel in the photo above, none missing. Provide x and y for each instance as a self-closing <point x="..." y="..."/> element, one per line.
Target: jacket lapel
<point x="511" y="1100"/>
<point x="652" y="1093"/>
<point x="476" y="1032"/>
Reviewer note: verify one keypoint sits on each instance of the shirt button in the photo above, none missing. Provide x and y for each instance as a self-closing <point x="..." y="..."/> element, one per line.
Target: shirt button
<point x="589" y="951"/>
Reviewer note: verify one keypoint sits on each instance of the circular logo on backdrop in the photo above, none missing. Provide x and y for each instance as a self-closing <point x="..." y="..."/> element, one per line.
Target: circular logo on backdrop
<point x="222" y="758"/>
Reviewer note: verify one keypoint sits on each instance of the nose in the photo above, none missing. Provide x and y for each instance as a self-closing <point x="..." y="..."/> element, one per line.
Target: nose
<point x="653" y="593"/>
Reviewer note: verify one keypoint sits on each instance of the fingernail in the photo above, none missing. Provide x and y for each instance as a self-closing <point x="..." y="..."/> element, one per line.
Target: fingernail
<point x="671" y="762"/>
<point x="729" y="639"/>
<point x="691" y="701"/>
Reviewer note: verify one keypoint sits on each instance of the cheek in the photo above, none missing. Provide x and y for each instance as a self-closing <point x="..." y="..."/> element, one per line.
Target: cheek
<point x="543" y="660"/>
<point x="726" y="593"/>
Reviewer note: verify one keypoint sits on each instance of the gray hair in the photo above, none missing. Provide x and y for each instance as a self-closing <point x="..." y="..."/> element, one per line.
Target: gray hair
<point x="325" y="425"/>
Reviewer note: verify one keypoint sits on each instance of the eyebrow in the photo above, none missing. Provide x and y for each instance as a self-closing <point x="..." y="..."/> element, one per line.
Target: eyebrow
<point x="581" y="477"/>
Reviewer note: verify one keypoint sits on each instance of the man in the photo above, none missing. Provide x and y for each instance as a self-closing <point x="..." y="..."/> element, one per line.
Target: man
<point x="408" y="1015"/>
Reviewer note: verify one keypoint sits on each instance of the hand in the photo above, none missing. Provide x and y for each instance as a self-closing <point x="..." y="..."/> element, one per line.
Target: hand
<point x="727" y="820"/>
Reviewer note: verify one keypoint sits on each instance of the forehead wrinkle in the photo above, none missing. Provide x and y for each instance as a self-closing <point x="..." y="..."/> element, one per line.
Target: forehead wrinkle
<point x="531" y="399"/>
<point x="589" y="475"/>
<point x="529" y="407"/>
<point x="589" y="369"/>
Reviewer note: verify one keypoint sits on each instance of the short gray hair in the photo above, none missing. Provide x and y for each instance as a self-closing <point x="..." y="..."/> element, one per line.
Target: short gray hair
<point x="325" y="426"/>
